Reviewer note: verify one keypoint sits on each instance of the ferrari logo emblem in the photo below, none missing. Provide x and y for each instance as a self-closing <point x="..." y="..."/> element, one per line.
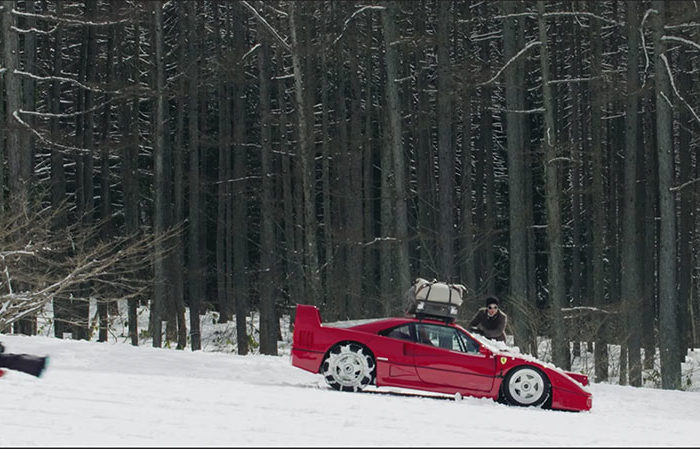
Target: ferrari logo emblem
<point x="504" y="360"/>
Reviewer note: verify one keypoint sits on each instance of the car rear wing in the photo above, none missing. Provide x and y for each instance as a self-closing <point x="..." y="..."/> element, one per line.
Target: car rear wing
<point x="307" y="317"/>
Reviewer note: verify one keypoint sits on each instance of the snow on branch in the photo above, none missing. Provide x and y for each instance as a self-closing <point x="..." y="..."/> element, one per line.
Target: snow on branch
<point x="682" y="25"/>
<point x="574" y="80"/>
<point x="644" y="45"/>
<point x="684" y="185"/>
<point x="548" y="15"/>
<point x="378" y="240"/>
<point x="586" y="309"/>
<point x="33" y="30"/>
<point x="675" y="90"/>
<point x="523" y="111"/>
<point x="510" y="61"/>
<point x="41" y="137"/>
<point x="66" y="80"/>
<point x="680" y="39"/>
<point x="44" y="262"/>
<point x="352" y="16"/>
<point x="68" y="20"/>
<point x="266" y="24"/>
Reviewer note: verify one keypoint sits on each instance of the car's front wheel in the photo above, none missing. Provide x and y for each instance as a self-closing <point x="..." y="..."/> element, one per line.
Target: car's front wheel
<point x="526" y="386"/>
<point x="348" y="367"/>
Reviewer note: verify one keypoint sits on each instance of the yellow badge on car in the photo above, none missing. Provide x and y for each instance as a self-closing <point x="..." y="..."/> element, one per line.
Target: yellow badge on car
<point x="504" y="360"/>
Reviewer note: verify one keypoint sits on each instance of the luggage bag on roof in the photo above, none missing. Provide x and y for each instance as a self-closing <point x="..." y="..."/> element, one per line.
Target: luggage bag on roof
<point x="433" y="299"/>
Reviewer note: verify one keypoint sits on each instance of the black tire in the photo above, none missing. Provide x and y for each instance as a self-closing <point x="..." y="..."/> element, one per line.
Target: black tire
<point x="526" y="386"/>
<point x="349" y="367"/>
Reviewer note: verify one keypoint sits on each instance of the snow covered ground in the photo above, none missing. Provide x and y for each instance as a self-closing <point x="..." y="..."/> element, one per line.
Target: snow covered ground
<point x="115" y="394"/>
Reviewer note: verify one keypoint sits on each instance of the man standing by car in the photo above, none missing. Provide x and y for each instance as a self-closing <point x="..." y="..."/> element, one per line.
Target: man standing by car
<point x="490" y="321"/>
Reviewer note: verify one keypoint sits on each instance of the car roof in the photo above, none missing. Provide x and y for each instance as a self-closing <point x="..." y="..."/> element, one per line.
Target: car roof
<point x="378" y="324"/>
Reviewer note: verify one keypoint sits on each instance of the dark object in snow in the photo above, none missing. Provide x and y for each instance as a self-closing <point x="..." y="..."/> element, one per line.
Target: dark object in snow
<point x="26" y="363"/>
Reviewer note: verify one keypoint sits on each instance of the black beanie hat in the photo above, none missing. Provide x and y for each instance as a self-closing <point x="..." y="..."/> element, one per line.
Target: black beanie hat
<point x="491" y="300"/>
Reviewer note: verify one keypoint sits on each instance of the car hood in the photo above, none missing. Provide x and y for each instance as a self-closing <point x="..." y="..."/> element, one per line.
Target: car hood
<point x="500" y="349"/>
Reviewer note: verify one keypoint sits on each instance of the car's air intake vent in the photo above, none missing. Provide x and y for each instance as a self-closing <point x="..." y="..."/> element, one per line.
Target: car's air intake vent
<point x="306" y="338"/>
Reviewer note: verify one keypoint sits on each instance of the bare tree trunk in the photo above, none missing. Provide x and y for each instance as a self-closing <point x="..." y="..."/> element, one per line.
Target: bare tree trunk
<point x="668" y="297"/>
<point x="13" y="97"/>
<point x="555" y="261"/>
<point x="178" y="254"/>
<point x="446" y="156"/>
<point x="268" y="316"/>
<point x="467" y="245"/>
<point x="240" y="285"/>
<point x="130" y="170"/>
<point x="103" y="308"/>
<point x="424" y="156"/>
<point x="159" y="180"/>
<point x="576" y="182"/>
<point x="686" y="222"/>
<point x="61" y="305"/>
<point x="196" y="287"/>
<point x="394" y="130"/>
<point x="598" y="204"/>
<point x="517" y="187"/>
<point x="223" y="267"/>
<point x="631" y="269"/>
<point x="650" y="203"/>
<point x="306" y="147"/>
<point x="352" y="272"/>
<point x="292" y="253"/>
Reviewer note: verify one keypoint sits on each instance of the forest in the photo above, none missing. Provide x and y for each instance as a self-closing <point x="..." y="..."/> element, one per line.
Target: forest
<point x="247" y="156"/>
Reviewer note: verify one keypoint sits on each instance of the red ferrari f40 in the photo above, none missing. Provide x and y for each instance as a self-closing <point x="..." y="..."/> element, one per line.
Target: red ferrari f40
<point x="429" y="355"/>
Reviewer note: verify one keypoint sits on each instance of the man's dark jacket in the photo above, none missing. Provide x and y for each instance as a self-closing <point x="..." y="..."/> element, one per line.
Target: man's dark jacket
<point x="491" y="327"/>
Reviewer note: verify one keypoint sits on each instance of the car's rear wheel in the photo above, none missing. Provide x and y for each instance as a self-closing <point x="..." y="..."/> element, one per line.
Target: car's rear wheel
<point x="349" y="367"/>
<point x="526" y="386"/>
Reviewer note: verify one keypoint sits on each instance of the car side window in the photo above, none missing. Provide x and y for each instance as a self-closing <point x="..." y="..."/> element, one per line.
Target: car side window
<point x="445" y="337"/>
<point x="469" y="344"/>
<point x="400" y="332"/>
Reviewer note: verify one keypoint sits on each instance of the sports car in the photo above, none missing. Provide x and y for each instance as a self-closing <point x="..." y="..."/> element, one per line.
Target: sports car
<point x="432" y="355"/>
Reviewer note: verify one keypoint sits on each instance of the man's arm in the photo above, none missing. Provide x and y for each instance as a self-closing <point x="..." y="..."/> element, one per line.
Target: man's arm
<point x="475" y="321"/>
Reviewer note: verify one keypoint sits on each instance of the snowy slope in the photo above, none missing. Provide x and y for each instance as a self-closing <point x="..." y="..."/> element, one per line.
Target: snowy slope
<point x="114" y="394"/>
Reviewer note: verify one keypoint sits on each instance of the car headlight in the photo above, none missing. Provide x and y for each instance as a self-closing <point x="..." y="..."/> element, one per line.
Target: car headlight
<point x="420" y="306"/>
<point x="453" y="310"/>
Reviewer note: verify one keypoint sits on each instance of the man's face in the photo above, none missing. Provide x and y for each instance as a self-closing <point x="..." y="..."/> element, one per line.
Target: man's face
<point x="492" y="309"/>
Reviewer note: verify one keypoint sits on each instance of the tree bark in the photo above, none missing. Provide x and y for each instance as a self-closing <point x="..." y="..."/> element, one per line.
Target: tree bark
<point x="196" y="287"/>
<point x="268" y="271"/>
<point x="631" y="239"/>
<point x="517" y="187"/>
<point x="159" y="180"/>
<point x="555" y="260"/>
<point x="446" y="154"/>
<point x="307" y="152"/>
<point x="598" y="194"/>
<point x="394" y="130"/>
<point x="669" y="341"/>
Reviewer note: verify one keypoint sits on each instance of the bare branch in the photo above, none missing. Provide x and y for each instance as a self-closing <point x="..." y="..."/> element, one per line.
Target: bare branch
<point x="675" y="90"/>
<point x="510" y="61"/>
<point x="266" y="25"/>
<point x="40" y="263"/>
<point x="549" y="15"/>
<point x="68" y="20"/>
<point x="352" y="16"/>
<point x="680" y="39"/>
<point x="644" y="46"/>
